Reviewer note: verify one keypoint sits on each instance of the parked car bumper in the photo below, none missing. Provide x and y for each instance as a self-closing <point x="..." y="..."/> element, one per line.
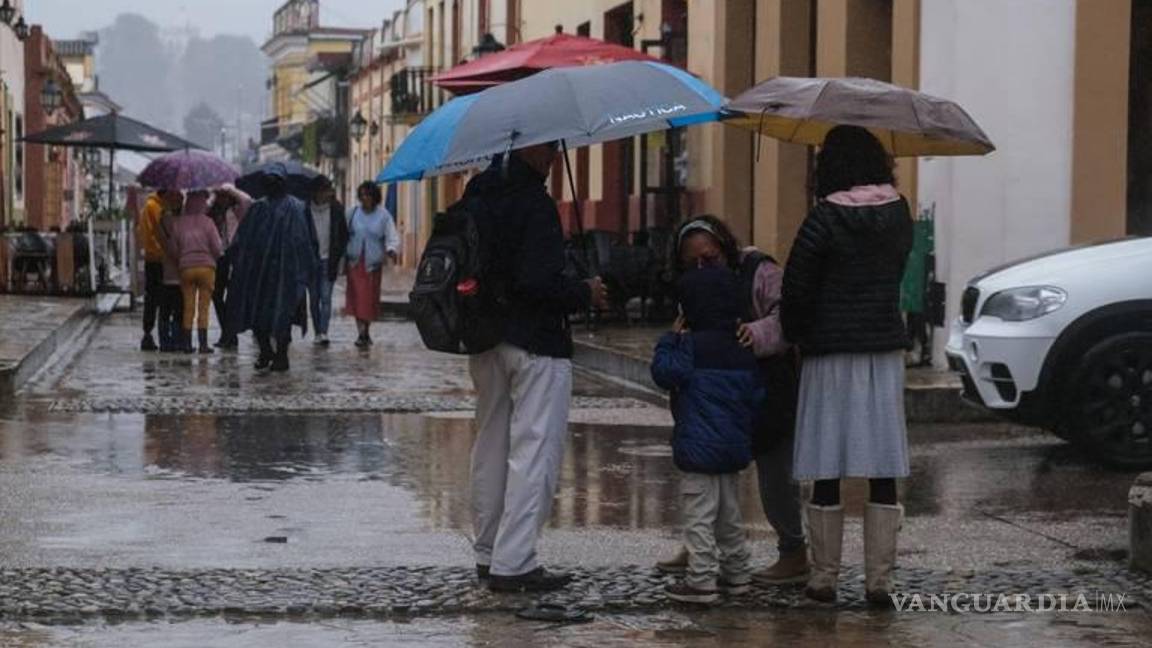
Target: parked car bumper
<point x="1000" y="362"/>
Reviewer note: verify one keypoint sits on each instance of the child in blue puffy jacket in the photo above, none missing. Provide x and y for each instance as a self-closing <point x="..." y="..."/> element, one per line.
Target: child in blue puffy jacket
<point x="716" y="394"/>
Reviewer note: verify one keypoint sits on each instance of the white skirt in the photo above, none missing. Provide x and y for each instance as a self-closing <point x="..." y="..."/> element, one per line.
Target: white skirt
<point x="851" y="421"/>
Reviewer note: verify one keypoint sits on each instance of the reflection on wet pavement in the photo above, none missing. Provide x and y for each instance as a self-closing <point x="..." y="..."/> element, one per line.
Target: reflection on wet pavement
<point x="981" y="496"/>
<point x="660" y="630"/>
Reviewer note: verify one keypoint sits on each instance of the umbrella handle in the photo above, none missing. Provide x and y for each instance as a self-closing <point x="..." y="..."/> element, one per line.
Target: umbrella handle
<point x="575" y="201"/>
<point x="760" y="134"/>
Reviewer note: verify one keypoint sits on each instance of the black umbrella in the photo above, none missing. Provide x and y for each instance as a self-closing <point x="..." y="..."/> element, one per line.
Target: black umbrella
<point x="114" y="132"/>
<point x="299" y="181"/>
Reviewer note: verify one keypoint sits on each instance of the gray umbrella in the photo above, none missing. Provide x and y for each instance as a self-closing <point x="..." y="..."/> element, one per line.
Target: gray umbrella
<point x="909" y="123"/>
<point x="576" y="105"/>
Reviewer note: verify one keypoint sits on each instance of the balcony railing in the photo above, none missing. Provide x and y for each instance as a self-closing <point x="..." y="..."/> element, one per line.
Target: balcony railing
<point x="269" y="131"/>
<point x="413" y="93"/>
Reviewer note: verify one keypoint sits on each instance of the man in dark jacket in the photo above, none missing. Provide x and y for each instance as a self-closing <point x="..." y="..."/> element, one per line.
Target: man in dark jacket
<point x="330" y="223"/>
<point x="524" y="385"/>
<point x="717" y="395"/>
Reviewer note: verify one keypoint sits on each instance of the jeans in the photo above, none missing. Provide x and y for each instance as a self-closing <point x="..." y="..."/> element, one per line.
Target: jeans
<point x="171" y="318"/>
<point x="320" y="300"/>
<point x="153" y="293"/>
<point x="220" y="291"/>
<point x="780" y="494"/>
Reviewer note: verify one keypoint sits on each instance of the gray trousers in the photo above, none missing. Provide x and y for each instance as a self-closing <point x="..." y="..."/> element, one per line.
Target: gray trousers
<point x="713" y="530"/>
<point x="780" y="495"/>
<point x="522" y="425"/>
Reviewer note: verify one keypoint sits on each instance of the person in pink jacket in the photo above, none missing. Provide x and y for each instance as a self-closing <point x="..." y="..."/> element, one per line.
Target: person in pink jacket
<point x="196" y="245"/>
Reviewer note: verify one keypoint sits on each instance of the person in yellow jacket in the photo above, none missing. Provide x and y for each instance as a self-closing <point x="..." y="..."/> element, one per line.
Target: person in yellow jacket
<point x="149" y="241"/>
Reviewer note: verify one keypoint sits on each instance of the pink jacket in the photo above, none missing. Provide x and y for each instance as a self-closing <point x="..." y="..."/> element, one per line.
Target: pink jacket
<point x="767" y="334"/>
<point x="195" y="241"/>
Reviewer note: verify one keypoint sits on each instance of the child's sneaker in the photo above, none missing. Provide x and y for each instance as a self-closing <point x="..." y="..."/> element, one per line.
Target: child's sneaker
<point x="685" y="593"/>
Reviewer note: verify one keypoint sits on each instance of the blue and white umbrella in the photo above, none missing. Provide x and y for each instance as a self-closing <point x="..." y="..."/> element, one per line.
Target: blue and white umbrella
<point x="579" y="106"/>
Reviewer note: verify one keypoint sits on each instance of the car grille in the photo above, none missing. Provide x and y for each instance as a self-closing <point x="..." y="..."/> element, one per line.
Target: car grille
<point x="968" y="304"/>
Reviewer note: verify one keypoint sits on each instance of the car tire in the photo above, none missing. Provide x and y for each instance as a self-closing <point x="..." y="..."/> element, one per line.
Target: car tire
<point x="1110" y="401"/>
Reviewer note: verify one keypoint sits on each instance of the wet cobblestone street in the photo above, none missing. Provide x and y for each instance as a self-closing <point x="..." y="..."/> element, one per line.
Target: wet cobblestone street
<point x="145" y="489"/>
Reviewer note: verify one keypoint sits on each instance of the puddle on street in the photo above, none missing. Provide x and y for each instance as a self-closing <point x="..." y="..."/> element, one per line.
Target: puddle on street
<point x="667" y="629"/>
<point x="612" y="476"/>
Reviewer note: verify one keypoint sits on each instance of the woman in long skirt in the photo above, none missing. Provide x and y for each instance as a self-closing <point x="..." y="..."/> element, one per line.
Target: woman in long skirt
<point x="372" y="240"/>
<point x="841" y="305"/>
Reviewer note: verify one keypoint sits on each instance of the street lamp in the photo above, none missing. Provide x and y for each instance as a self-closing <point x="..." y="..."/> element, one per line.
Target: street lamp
<point x="51" y="97"/>
<point x="7" y="12"/>
<point x="21" y="29"/>
<point x="357" y="126"/>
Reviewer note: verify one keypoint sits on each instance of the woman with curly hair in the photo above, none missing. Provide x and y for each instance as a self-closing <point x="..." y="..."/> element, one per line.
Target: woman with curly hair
<point x="841" y="306"/>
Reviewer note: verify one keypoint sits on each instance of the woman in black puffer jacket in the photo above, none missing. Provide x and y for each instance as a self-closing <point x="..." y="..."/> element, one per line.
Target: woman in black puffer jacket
<point x="841" y="306"/>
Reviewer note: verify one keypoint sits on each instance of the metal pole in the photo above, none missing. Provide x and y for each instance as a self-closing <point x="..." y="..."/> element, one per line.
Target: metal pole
<point x="575" y="197"/>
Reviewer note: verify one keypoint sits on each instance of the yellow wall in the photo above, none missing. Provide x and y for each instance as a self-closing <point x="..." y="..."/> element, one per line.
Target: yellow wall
<point x="1100" y="121"/>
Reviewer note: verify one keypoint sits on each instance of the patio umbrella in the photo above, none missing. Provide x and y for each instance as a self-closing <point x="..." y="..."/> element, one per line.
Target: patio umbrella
<point x="299" y="179"/>
<point x="187" y="171"/>
<point x="526" y="59"/>
<point x="909" y="123"/>
<point x="577" y="106"/>
<point x="113" y="132"/>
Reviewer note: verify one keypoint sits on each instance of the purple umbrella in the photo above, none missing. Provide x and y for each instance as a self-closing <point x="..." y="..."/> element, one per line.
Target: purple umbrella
<point x="188" y="170"/>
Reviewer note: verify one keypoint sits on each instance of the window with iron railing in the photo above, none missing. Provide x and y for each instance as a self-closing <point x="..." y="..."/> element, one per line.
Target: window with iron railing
<point x="413" y="93"/>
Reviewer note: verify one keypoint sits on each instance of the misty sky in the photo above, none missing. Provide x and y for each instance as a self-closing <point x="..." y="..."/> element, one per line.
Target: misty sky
<point x="61" y="19"/>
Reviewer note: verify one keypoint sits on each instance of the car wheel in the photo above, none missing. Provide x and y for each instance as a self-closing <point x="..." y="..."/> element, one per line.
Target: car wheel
<point x="1111" y="401"/>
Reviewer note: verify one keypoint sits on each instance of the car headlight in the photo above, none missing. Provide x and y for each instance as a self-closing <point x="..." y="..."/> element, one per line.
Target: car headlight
<point x="1023" y="304"/>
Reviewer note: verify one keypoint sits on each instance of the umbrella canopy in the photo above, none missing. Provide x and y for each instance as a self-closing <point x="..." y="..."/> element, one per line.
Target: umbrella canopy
<point x="909" y="123"/>
<point x="112" y="131"/>
<point x="578" y="105"/>
<point x="526" y="59"/>
<point x="187" y="171"/>
<point x="299" y="179"/>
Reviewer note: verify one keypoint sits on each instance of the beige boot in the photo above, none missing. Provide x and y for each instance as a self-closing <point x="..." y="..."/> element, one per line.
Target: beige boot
<point x="825" y="536"/>
<point x="881" y="526"/>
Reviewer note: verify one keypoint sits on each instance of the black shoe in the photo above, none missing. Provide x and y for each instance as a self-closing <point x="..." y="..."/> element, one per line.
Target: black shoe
<point x="147" y="344"/>
<point x="263" y="362"/>
<point x="228" y="343"/>
<point x="363" y="342"/>
<point x="483" y="572"/>
<point x="537" y="580"/>
<point x="202" y="336"/>
<point x="280" y="363"/>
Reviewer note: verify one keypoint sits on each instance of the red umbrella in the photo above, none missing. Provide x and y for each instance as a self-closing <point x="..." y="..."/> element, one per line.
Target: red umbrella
<point x="526" y="59"/>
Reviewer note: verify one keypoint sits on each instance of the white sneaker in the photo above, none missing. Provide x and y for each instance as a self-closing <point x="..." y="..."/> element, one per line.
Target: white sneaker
<point x="321" y="340"/>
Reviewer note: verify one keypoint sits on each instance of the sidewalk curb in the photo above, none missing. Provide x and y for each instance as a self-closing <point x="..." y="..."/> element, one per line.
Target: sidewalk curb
<point x="922" y="404"/>
<point x="79" y="324"/>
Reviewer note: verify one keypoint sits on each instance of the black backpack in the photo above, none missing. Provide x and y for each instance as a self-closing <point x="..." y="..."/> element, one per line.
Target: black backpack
<point x="455" y="301"/>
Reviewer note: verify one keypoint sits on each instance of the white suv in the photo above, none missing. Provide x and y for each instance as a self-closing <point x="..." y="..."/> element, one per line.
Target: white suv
<point x="1063" y="341"/>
